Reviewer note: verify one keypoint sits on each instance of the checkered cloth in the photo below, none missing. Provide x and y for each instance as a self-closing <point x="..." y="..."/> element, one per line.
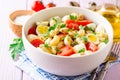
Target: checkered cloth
<point x="25" y="64"/>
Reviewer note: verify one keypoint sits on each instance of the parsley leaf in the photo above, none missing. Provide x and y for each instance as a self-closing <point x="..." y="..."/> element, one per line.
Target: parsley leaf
<point x="53" y="27"/>
<point x="91" y="28"/>
<point x="62" y="25"/>
<point x="16" y="47"/>
<point x="105" y="41"/>
<point x="84" y="38"/>
<point x="82" y="50"/>
<point x="46" y="35"/>
<point x="76" y="35"/>
<point x="81" y="27"/>
<point x="54" y="19"/>
<point x="72" y="17"/>
<point x="57" y="50"/>
<point x="46" y="45"/>
<point x="94" y="33"/>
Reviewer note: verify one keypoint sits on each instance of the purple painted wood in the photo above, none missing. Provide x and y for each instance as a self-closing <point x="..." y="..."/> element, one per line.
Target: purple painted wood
<point x="113" y="73"/>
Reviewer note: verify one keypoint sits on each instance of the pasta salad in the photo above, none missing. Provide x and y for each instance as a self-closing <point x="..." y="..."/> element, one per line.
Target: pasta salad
<point x="70" y="35"/>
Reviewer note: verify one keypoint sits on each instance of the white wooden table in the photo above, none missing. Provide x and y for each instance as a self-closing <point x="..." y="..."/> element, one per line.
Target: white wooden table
<point x="8" y="71"/>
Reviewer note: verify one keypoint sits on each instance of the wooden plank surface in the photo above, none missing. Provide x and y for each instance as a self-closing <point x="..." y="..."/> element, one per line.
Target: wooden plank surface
<point x="8" y="71"/>
<point x="26" y="77"/>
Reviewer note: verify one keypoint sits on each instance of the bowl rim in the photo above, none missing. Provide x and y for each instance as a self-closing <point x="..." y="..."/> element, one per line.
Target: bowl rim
<point x="68" y="57"/>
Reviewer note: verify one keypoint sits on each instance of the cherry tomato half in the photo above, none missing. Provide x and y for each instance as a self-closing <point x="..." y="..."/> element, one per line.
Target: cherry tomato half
<point x="36" y="42"/>
<point x="91" y="46"/>
<point x="66" y="51"/>
<point x="83" y="22"/>
<point x="72" y="24"/>
<point x="32" y="30"/>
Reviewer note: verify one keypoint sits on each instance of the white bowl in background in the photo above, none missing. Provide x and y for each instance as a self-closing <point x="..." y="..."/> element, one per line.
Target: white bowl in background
<point x="62" y="65"/>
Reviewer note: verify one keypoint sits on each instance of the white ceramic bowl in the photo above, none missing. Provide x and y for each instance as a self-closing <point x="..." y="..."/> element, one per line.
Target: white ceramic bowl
<point x="60" y="65"/>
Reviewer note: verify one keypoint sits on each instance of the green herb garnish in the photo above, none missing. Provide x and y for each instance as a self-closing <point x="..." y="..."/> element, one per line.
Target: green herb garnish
<point x="94" y="33"/>
<point x="81" y="27"/>
<point x="105" y="41"/>
<point x="72" y="17"/>
<point x="76" y="35"/>
<point x="63" y="25"/>
<point x="57" y="50"/>
<point x="46" y="45"/>
<point x="54" y="19"/>
<point x="69" y="29"/>
<point x="46" y="35"/>
<point x="84" y="38"/>
<point x="16" y="47"/>
<point x="91" y="28"/>
<point x="82" y="50"/>
<point x="53" y="27"/>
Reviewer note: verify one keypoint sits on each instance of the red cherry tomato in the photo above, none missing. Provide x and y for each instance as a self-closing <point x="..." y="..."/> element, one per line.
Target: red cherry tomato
<point x="66" y="51"/>
<point x="49" y="5"/>
<point x="72" y="24"/>
<point x="83" y="22"/>
<point x="32" y="30"/>
<point x="69" y="21"/>
<point x="91" y="46"/>
<point x="36" y="42"/>
<point x="37" y="5"/>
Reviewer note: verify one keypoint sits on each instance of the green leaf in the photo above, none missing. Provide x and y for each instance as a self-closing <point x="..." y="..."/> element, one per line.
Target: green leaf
<point x="63" y="25"/>
<point x="53" y="27"/>
<point x="46" y="45"/>
<point x="54" y="19"/>
<point x="72" y="17"/>
<point x="81" y="27"/>
<point x="16" y="47"/>
<point x="76" y="35"/>
<point x="46" y="35"/>
<point x="82" y="50"/>
<point x="91" y="28"/>
<point x="105" y="41"/>
<point x="94" y="33"/>
<point x="57" y="50"/>
<point x="84" y="38"/>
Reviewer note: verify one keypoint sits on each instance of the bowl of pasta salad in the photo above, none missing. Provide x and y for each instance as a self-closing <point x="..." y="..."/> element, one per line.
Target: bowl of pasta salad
<point x="67" y="41"/>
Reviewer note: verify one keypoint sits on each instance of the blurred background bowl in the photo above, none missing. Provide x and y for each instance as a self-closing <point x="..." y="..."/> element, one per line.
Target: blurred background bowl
<point x="16" y="27"/>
